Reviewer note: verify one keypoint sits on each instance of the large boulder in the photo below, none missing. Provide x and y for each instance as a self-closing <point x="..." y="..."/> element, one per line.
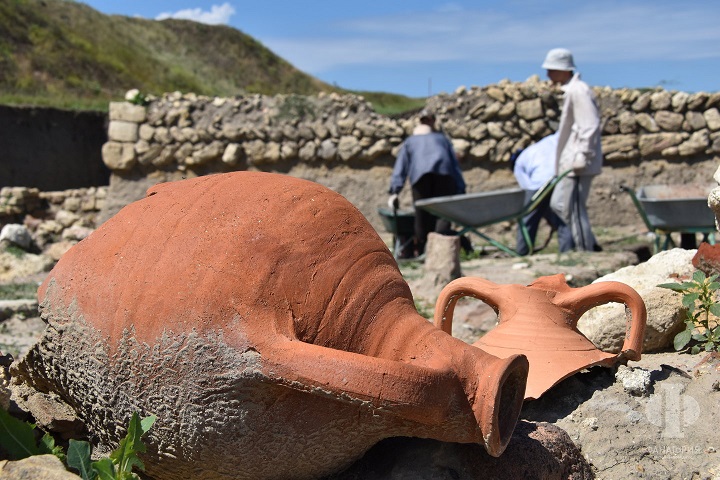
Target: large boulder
<point x="605" y="325"/>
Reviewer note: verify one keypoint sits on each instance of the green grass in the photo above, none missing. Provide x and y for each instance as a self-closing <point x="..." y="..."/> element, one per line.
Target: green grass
<point x="18" y="291"/>
<point x="61" y="53"/>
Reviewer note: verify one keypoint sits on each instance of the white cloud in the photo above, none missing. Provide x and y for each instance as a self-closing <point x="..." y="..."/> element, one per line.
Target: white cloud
<point x="218" y="14"/>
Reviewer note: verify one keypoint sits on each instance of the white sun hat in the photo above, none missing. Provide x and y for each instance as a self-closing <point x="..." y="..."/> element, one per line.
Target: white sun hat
<point x="559" y="59"/>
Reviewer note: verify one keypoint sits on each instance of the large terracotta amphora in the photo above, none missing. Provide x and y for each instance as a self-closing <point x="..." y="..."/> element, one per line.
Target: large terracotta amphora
<point x="540" y="322"/>
<point x="265" y="323"/>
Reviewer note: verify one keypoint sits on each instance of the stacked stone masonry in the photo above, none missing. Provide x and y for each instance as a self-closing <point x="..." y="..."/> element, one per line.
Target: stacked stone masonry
<point x="53" y="217"/>
<point x="196" y="134"/>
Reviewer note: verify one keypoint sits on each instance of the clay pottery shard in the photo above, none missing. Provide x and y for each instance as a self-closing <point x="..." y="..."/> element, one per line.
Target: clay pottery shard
<point x="540" y="322"/>
<point x="260" y="318"/>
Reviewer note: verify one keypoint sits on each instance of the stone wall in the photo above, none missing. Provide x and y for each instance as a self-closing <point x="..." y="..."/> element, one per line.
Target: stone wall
<point x="59" y="218"/>
<point x="653" y="136"/>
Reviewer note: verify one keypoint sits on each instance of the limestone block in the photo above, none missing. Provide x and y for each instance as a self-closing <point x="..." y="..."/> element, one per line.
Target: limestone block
<point x="482" y="150"/>
<point x="715" y="142"/>
<point x="184" y="152"/>
<point x="507" y="110"/>
<point x="455" y="129"/>
<point x="605" y="325"/>
<point x="254" y="151"/>
<point x="289" y="132"/>
<point x="679" y="101"/>
<point x="206" y="154"/>
<point x="695" y="121"/>
<point x="166" y="157"/>
<point x="16" y="234"/>
<point x="162" y="135"/>
<point x="495" y="130"/>
<point x="657" y="142"/>
<point x="190" y="134"/>
<point x="288" y="150"/>
<point x="697" y="101"/>
<point x="627" y="122"/>
<point x="478" y="132"/>
<point x="660" y="100"/>
<point x="713" y="100"/>
<point x="442" y="261"/>
<point x="307" y="152"/>
<point x="538" y="128"/>
<point x="379" y="148"/>
<point x="496" y="94"/>
<point x="145" y="132"/>
<point x="388" y="128"/>
<point x="345" y="125"/>
<point x="461" y="147"/>
<point x="530" y="109"/>
<point x="327" y="150"/>
<point x="146" y="156"/>
<point x="272" y="152"/>
<point x="47" y="467"/>
<point x="66" y="218"/>
<point x="642" y="103"/>
<point x="669" y="121"/>
<point x="490" y="111"/>
<point x="619" y="143"/>
<point x="712" y="117"/>
<point x="127" y="112"/>
<point x="321" y="131"/>
<point x="232" y="154"/>
<point x="121" y="131"/>
<point x="118" y="156"/>
<point x="697" y="143"/>
<point x="647" y="122"/>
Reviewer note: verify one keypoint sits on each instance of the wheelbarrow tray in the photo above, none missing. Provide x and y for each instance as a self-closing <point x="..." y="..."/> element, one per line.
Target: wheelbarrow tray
<point x="677" y="207"/>
<point x="477" y="209"/>
<point x="400" y="223"/>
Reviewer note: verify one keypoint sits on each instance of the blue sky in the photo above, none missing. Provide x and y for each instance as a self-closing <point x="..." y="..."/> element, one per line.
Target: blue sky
<point x="420" y="47"/>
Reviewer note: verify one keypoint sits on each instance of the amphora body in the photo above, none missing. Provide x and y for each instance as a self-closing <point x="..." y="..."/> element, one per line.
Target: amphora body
<point x="267" y="326"/>
<point x="540" y="322"/>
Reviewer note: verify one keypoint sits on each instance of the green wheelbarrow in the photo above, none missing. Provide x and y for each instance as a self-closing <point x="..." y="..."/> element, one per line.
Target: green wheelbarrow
<point x="668" y="209"/>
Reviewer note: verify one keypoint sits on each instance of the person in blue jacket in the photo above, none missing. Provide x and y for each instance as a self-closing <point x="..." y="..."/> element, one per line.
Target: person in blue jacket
<point x="427" y="159"/>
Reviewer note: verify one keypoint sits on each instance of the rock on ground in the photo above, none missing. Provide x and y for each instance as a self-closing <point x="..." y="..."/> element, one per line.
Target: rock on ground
<point x="605" y="325"/>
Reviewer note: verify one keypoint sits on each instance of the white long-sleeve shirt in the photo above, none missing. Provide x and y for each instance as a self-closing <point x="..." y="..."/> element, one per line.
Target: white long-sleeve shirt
<point x="536" y="164"/>
<point x="579" y="146"/>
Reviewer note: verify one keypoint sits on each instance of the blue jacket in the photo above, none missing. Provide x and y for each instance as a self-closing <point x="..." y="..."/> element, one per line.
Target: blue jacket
<point x="425" y="153"/>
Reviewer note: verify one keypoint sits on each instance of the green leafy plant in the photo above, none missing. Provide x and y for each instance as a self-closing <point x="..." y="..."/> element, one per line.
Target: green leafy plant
<point x="18" y="439"/>
<point x="702" y="330"/>
<point x="120" y="464"/>
<point x="136" y="97"/>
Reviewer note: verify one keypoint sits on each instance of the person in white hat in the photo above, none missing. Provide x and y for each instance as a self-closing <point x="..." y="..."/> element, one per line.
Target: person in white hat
<point x="578" y="149"/>
<point x="427" y="159"/>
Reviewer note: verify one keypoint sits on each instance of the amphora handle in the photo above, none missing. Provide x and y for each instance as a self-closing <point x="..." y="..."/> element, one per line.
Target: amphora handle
<point x="485" y="290"/>
<point x="580" y="300"/>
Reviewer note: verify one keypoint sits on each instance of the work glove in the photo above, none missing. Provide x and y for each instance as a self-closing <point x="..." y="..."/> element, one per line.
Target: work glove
<point x="580" y="162"/>
<point x="393" y="202"/>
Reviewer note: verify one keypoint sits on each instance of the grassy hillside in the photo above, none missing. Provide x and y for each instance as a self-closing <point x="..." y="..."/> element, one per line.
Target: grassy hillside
<point x="64" y="53"/>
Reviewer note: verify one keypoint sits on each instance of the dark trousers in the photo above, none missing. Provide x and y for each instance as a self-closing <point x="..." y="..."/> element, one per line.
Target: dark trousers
<point x="532" y="222"/>
<point x="430" y="185"/>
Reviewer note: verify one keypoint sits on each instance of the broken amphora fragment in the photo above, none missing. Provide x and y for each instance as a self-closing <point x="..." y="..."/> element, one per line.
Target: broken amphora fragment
<point x="265" y="323"/>
<point x="540" y="322"/>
